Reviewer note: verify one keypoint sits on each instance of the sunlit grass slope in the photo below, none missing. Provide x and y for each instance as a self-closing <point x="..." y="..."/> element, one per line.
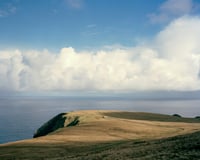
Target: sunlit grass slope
<point x="107" y="135"/>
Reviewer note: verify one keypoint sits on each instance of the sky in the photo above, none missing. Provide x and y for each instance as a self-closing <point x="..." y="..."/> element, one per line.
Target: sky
<point x="83" y="24"/>
<point x="99" y="45"/>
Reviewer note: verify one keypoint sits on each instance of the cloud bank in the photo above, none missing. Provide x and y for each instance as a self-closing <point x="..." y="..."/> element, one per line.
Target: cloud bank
<point x="171" y="61"/>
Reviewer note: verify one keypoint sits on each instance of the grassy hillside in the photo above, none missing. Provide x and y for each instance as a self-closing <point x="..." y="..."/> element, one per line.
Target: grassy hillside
<point x="85" y="135"/>
<point x="185" y="147"/>
<point x="151" y="117"/>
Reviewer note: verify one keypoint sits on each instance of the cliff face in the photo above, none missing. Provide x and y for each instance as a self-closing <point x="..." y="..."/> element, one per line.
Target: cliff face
<point x="50" y="126"/>
<point x="60" y="121"/>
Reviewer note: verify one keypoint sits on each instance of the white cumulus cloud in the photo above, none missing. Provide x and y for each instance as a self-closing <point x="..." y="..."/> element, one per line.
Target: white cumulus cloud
<point x="171" y="61"/>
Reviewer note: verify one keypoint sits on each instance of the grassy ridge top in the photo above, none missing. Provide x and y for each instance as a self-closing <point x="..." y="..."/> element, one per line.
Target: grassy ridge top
<point x="151" y="117"/>
<point x="70" y="119"/>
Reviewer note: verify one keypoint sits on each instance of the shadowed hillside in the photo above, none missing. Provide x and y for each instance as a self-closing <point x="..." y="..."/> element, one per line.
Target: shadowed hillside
<point x="52" y="125"/>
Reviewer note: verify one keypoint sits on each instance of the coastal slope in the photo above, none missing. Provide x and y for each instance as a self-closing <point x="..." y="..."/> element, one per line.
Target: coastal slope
<point x="92" y="132"/>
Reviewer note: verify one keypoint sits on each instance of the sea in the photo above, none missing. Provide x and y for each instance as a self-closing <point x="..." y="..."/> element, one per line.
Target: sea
<point x="20" y="117"/>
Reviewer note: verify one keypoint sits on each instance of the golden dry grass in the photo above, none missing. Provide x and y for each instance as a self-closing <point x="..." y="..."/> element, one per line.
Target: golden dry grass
<point x="95" y="127"/>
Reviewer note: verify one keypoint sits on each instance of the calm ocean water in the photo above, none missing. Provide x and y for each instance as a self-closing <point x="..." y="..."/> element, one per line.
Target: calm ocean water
<point x="20" y="117"/>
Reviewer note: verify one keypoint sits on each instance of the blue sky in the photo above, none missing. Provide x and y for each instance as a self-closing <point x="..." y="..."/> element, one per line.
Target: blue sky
<point x="99" y="45"/>
<point x="82" y="24"/>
